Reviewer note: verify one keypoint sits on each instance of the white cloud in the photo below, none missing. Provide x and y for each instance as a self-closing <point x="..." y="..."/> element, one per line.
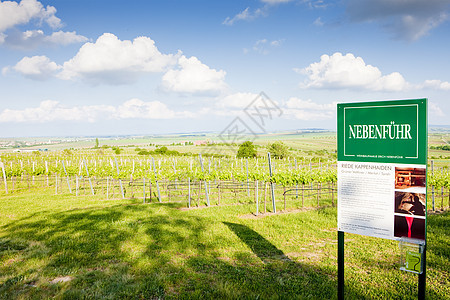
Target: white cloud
<point x="193" y="77"/>
<point x="435" y="110"/>
<point x="50" y="111"/>
<point x="13" y="13"/>
<point x="293" y="108"/>
<point x="33" y="38"/>
<point x="309" y="3"/>
<point x="316" y="3"/>
<point x="48" y="15"/>
<point x="243" y="15"/>
<point x="36" y="67"/>
<point x="276" y="43"/>
<point x="264" y="46"/>
<point x="245" y="104"/>
<point x="5" y="70"/>
<point x="138" y="109"/>
<point x="298" y="103"/>
<point x="246" y="15"/>
<point x="408" y="20"/>
<point x="110" y="60"/>
<point x="261" y="46"/>
<point x="436" y="84"/>
<point x="318" y="22"/>
<point x="65" y="38"/>
<point x="236" y="101"/>
<point x="308" y="110"/>
<point x="348" y="71"/>
<point x="275" y="1"/>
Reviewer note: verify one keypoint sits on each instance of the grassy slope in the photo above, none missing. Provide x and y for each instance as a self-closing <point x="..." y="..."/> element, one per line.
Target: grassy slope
<point x="123" y="249"/>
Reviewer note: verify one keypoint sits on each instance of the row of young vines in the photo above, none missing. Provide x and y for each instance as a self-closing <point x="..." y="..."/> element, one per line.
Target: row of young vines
<point x="285" y="172"/>
<point x="288" y="174"/>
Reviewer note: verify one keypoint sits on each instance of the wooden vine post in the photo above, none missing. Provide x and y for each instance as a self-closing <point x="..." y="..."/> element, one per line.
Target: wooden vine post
<point x="67" y="177"/>
<point x="256" y="195"/>
<point x="4" y="176"/>
<point x="156" y="179"/>
<point x="274" y="208"/>
<point x="206" y="185"/>
<point x="89" y="178"/>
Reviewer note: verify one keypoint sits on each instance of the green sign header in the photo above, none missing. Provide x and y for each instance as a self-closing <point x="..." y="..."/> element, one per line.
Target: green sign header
<point x="383" y="131"/>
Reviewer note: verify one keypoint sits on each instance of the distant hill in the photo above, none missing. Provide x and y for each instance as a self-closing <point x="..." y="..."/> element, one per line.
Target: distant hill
<point x="438" y="128"/>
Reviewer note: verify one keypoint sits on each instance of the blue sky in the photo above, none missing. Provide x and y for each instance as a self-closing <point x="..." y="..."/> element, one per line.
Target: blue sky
<point x="154" y="67"/>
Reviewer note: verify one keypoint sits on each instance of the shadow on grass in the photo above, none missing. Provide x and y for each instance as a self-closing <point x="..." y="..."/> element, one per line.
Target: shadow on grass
<point x="149" y="252"/>
<point x="265" y="250"/>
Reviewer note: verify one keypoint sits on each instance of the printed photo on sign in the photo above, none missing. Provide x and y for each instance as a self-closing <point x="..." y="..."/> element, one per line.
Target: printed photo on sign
<point x="410" y="203"/>
<point x="409" y="226"/>
<point x="407" y="178"/>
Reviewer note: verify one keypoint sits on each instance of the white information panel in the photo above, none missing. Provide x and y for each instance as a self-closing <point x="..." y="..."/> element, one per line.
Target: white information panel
<point x="382" y="199"/>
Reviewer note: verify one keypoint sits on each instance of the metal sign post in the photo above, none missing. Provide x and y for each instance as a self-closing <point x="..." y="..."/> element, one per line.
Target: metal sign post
<point x="340" y="265"/>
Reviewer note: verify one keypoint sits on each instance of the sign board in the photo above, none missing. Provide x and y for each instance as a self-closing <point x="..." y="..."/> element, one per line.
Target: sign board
<point x="382" y="163"/>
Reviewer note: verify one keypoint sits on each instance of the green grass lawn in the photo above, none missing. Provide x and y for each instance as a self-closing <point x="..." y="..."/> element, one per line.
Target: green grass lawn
<point x="67" y="247"/>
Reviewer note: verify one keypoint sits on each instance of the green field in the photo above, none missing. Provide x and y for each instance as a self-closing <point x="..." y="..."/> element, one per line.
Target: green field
<point x="67" y="247"/>
<point x="58" y="245"/>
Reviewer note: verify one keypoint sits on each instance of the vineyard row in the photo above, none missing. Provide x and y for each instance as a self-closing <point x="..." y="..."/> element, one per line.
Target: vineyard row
<point x="285" y="172"/>
<point x="192" y="193"/>
<point x="199" y="192"/>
